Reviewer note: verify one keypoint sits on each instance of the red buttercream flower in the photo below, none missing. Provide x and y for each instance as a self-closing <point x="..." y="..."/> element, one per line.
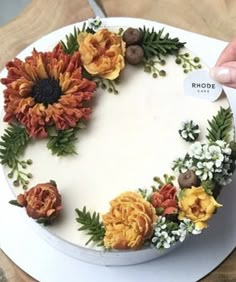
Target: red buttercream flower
<point x="165" y="198"/>
<point x="41" y="201"/>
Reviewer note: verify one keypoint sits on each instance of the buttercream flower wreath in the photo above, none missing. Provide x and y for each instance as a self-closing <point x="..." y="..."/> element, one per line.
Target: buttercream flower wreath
<point x="48" y="96"/>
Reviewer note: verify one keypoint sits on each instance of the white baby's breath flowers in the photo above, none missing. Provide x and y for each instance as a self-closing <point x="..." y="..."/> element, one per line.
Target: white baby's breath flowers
<point x="189" y="226"/>
<point x="215" y="153"/>
<point x="167" y="234"/>
<point x="210" y="161"/>
<point x="161" y="238"/>
<point x="196" y="151"/>
<point x="205" y="170"/>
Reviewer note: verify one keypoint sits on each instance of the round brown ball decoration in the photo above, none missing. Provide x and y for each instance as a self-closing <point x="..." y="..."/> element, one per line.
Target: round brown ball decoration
<point x="188" y="179"/>
<point x="134" y="54"/>
<point x="132" y="36"/>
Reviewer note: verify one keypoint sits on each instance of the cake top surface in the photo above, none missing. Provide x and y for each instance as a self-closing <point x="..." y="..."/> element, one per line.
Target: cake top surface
<point x="129" y="139"/>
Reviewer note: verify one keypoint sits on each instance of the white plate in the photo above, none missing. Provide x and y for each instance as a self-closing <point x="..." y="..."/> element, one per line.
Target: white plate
<point x="218" y="239"/>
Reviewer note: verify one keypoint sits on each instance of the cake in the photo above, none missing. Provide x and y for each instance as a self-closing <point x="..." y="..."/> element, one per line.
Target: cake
<point x="149" y="161"/>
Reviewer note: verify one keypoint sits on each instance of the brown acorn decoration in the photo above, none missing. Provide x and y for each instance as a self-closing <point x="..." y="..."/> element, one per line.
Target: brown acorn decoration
<point x="132" y="36"/>
<point x="188" y="179"/>
<point x="134" y="54"/>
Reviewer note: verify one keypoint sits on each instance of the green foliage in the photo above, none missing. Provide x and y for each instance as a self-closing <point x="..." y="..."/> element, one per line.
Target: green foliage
<point x="15" y="203"/>
<point x="220" y="126"/>
<point x="70" y="45"/>
<point x="106" y="84"/>
<point x="159" y="211"/>
<point x="232" y="146"/>
<point x="143" y="192"/>
<point x="157" y="44"/>
<point x="187" y="62"/>
<point x="167" y="179"/>
<point x="91" y="223"/>
<point x="152" y="66"/>
<point x="53" y="182"/>
<point x="181" y="194"/>
<point x="209" y="186"/>
<point x="62" y="143"/>
<point x="12" y="145"/>
<point x="44" y="221"/>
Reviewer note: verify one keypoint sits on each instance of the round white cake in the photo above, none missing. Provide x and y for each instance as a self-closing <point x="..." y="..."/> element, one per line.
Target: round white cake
<point x="129" y="139"/>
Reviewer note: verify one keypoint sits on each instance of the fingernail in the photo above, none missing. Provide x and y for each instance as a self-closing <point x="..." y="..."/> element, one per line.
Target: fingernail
<point x="223" y="74"/>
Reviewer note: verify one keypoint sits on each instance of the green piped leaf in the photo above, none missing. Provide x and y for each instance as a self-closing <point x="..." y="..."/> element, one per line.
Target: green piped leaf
<point x="91" y="222"/>
<point x="220" y="127"/>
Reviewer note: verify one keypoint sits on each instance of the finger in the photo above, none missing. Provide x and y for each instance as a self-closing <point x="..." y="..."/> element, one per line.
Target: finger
<point x="233" y="85"/>
<point x="225" y="74"/>
<point x="228" y="54"/>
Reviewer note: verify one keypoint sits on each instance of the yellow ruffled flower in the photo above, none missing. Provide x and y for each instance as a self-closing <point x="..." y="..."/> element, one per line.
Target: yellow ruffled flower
<point x="198" y="206"/>
<point x="102" y="53"/>
<point x="129" y="221"/>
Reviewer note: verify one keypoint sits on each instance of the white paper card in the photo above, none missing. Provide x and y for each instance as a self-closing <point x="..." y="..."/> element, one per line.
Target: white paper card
<point x="199" y="84"/>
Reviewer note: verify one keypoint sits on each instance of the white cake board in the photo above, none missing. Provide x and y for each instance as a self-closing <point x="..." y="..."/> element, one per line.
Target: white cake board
<point x="190" y="262"/>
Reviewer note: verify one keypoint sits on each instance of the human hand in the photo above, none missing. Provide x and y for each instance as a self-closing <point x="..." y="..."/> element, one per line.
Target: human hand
<point x="225" y="69"/>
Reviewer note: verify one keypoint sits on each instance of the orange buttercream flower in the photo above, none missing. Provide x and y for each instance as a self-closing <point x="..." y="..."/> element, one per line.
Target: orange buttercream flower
<point x="129" y="222"/>
<point x="48" y="89"/>
<point x="41" y="201"/>
<point x="102" y="53"/>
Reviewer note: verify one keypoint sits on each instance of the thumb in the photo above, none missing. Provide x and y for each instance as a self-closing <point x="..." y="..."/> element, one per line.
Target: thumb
<point x="225" y="74"/>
